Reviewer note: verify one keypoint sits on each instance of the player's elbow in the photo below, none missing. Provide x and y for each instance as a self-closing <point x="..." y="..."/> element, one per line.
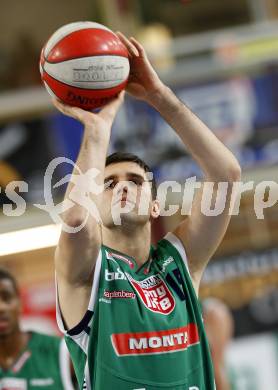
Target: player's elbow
<point x="234" y="172"/>
<point x="74" y="220"/>
<point x="228" y="173"/>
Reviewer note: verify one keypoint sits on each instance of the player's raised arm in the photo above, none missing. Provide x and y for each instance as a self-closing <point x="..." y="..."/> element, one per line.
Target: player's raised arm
<point x="77" y="252"/>
<point x="200" y="234"/>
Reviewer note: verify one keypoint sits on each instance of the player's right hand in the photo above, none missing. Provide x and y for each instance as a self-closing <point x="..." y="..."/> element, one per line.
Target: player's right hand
<point x="103" y="119"/>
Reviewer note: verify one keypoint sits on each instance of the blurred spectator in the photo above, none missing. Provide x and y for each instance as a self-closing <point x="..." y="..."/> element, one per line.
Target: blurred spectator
<point x="28" y="359"/>
<point x="219" y="327"/>
<point x="24" y="65"/>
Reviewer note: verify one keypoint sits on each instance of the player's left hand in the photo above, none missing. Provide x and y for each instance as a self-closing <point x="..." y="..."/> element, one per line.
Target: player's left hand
<point x="144" y="82"/>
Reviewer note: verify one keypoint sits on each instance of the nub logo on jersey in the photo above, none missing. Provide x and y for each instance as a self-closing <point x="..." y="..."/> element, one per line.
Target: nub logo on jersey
<point x="154" y="293"/>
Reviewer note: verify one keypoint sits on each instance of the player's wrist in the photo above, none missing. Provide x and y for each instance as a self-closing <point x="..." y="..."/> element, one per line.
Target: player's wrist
<point x="158" y="96"/>
<point x="97" y="134"/>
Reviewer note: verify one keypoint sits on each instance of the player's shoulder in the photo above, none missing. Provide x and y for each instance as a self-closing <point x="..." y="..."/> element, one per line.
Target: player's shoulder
<point x="172" y="248"/>
<point x="170" y="243"/>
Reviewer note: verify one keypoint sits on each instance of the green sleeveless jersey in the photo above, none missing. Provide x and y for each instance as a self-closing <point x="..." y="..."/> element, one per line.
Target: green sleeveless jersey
<point x="143" y="329"/>
<point x="44" y="364"/>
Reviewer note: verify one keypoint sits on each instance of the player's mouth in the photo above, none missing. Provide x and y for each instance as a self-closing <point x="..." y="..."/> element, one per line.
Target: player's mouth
<point x="123" y="200"/>
<point x="4" y="323"/>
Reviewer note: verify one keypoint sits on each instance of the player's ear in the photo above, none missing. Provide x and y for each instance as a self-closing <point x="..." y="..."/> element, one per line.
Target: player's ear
<point x="155" y="210"/>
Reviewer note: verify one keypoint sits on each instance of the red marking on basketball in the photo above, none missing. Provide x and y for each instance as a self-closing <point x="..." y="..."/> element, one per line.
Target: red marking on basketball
<point x="86" y="43"/>
<point x="84" y="98"/>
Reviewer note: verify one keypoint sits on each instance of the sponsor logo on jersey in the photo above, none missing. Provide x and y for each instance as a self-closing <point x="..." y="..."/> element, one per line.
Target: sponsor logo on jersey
<point x="104" y="300"/>
<point x="118" y="275"/>
<point x="119" y="294"/>
<point x="167" y="262"/>
<point x="42" y="382"/>
<point x="154" y="293"/>
<point x="112" y="256"/>
<point x="13" y="384"/>
<point x="157" y="342"/>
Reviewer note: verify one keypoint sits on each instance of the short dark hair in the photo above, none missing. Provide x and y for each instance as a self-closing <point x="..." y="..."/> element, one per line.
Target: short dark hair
<point x="118" y="157"/>
<point x="5" y="274"/>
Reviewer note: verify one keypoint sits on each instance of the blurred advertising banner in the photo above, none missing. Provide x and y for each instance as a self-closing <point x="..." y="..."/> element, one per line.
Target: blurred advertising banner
<point x="26" y="148"/>
<point x="248" y="283"/>
<point x="38" y="309"/>
<point x="34" y="272"/>
<point x="242" y="111"/>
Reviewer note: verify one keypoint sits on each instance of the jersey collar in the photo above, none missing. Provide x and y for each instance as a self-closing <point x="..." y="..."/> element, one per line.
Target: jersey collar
<point x="129" y="260"/>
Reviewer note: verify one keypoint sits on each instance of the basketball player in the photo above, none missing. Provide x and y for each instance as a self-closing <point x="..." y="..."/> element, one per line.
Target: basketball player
<point x="130" y="311"/>
<point x="28" y="360"/>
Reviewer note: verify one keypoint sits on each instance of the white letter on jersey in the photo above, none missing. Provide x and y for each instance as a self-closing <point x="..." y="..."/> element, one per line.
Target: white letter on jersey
<point x="138" y="344"/>
<point x="119" y="275"/>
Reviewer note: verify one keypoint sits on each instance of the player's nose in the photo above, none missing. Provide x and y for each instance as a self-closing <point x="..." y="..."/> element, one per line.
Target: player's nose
<point x="123" y="186"/>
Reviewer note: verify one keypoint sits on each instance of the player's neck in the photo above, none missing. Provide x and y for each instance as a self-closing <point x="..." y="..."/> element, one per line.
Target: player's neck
<point x="11" y="346"/>
<point x="133" y="242"/>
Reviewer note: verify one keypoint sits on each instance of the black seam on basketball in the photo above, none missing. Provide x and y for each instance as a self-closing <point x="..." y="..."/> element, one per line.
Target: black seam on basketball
<point x="93" y="55"/>
<point x="72" y="86"/>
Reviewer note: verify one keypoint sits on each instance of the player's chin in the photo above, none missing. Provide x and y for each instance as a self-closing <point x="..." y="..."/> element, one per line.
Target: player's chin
<point x="6" y="331"/>
<point x="118" y="216"/>
<point x="134" y="218"/>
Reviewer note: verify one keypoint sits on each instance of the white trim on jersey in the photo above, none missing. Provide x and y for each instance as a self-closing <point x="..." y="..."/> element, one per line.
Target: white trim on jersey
<point x="87" y="378"/>
<point x="94" y="293"/>
<point x="176" y="242"/>
<point x="64" y="360"/>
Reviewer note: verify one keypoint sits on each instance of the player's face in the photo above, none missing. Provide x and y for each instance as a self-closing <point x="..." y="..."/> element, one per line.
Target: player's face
<point x="128" y="193"/>
<point x="9" y="308"/>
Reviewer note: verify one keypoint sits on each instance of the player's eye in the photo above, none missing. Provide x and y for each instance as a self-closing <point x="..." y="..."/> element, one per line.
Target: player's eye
<point x="6" y="297"/>
<point x="137" y="181"/>
<point x="110" y="184"/>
